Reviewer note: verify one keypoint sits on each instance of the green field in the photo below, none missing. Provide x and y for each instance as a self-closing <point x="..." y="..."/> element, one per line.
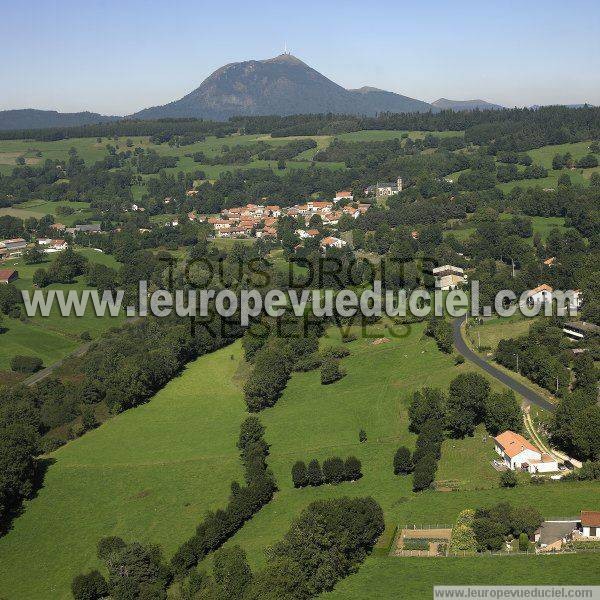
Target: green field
<point x="413" y="578"/>
<point x="150" y="473"/>
<point x="91" y="151"/>
<point x="53" y="337"/>
<point x="39" y="208"/>
<point x="379" y="135"/>
<point x="147" y="474"/>
<point x="541" y="225"/>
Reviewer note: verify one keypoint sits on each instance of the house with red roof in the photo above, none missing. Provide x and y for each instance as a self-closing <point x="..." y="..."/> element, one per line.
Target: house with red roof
<point x="8" y="275"/>
<point x="519" y="453"/>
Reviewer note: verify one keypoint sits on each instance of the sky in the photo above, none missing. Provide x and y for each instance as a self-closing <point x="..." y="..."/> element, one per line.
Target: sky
<point x="117" y="57"/>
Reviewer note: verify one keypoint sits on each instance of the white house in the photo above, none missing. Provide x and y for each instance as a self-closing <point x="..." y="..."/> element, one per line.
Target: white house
<point x="448" y="277"/>
<point x="539" y="295"/>
<point x="343" y="195"/>
<point x="519" y="453"/>
<point x="332" y="242"/>
<point x="590" y="523"/>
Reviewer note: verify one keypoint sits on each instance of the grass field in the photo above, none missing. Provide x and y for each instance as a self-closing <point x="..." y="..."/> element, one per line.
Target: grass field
<point x="541" y="225"/>
<point x="492" y="330"/>
<point x="312" y="421"/>
<point x="53" y="337"/>
<point x="390" y="134"/>
<point x="38" y="208"/>
<point x="414" y="578"/>
<point x="148" y="474"/>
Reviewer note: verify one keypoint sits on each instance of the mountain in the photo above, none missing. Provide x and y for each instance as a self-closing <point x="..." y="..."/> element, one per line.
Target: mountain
<point x="459" y="105"/>
<point x="283" y="85"/>
<point x="31" y="118"/>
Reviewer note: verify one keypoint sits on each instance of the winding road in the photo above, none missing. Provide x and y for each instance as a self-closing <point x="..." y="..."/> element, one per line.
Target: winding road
<point x="507" y="380"/>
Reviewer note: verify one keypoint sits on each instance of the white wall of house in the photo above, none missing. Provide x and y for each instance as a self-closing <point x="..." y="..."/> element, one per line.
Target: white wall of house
<point x="591" y="531"/>
<point x="516" y="461"/>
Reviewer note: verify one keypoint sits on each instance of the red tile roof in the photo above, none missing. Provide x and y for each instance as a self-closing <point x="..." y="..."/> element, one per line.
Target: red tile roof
<point x="512" y="443"/>
<point x="590" y="518"/>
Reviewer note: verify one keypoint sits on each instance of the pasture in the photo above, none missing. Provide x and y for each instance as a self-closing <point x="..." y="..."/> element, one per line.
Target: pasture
<point x="147" y="474"/>
<point x="53" y="337"/>
<point x="150" y="473"/>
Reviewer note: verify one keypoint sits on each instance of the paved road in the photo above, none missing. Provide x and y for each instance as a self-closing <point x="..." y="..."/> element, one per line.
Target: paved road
<point x="507" y="380"/>
<point x="48" y="370"/>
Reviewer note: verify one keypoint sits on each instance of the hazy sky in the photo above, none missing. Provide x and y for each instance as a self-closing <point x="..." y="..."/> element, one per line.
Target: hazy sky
<point x="116" y="57"/>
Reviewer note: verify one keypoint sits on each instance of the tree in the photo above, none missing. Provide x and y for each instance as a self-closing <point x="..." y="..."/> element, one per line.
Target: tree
<point x="508" y="479"/>
<point x="352" y="469"/>
<point x="232" y="572"/>
<point x="299" y="475"/>
<point x="91" y="586"/>
<point x="467" y="397"/>
<point x="314" y="474"/>
<point x="428" y="403"/>
<point x="403" y="464"/>
<point x="424" y="472"/>
<point x="523" y="542"/>
<point x="503" y="412"/>
<point x="333" y="470"/>
<point x="32" y="256"/>
<point x="26" y="364"/>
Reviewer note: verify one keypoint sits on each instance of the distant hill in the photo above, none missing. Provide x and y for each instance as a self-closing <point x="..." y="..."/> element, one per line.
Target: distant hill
<point x="31" y="118"/>
<point x="458" y="105"/>
<point x="283" y="85"/>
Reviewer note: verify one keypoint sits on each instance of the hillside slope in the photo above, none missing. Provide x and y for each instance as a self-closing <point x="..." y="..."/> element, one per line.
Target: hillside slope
<point x="31" y="118"/>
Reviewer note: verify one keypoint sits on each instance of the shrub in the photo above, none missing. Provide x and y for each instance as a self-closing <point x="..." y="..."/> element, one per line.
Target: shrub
<point x="108" y="546"/>
<point x="459" y="360"/>
<point x="314" y="473"/>
<point x="91" y="586"/>
<point x="333" y="470"/>
<point x="26" y="364"/>
<point x="308" y="363"/>
<point x="349" y="337"/>
<point x="523" y="542"/>
<point x="362" y="436"/>
<point x="331" y="371"/>
<point x="403" y="463"/>
<point x="352" y="468"/>
<point x="508" y="479"/>
<point x="299" y="475"/>
<point x="336" y="352"/>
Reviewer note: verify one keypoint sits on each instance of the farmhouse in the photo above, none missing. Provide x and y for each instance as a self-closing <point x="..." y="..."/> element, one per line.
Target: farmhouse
<point x="519" y="453"/>
<point x="8" y="275"/>
<point x="539" y="295"/>
<point x="343" y="195"/>
<point x="332" y="242"/>
<point x="448" y="277"/>
<point x="552" y="535"/>
<point x="590" y="523"/>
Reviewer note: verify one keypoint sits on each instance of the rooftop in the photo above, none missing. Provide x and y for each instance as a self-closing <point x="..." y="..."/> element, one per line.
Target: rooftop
<point x="514" y="443"/>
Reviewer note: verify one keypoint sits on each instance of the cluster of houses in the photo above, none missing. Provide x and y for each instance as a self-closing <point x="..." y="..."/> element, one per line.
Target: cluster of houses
<point x="259" y="220"/>
<point x="14" y="248"/>
<point x="553" y="535"/>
